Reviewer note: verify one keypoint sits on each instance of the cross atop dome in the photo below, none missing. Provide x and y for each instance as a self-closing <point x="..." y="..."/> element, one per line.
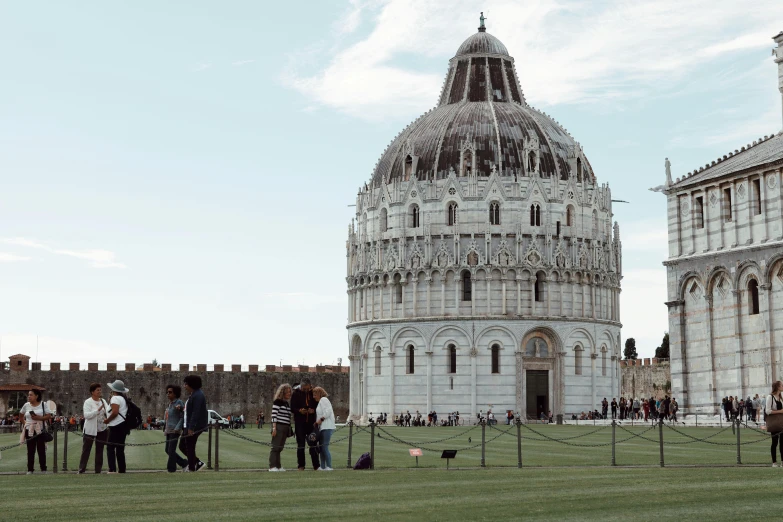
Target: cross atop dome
<point x="482" y="28"/>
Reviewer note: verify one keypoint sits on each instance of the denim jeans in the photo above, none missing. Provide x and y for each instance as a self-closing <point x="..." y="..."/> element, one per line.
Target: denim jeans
<point x="175" y="460"/>
<point x="326" y="456"/>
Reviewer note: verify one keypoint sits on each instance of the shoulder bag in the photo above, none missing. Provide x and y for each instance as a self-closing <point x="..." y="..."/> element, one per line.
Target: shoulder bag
<point x="775" y="422"/>
<point x="45" y="434"/>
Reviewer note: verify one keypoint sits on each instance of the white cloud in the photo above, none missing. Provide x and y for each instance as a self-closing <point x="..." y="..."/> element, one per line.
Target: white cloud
<point x="6" y="257"/>
<point x="97" y="258"/>
<point x="203" y="66"/>
<point x="240" y="63"/>
<point x="565" y="51"/>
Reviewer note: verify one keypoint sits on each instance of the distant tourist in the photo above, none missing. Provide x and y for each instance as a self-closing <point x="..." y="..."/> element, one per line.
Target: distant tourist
<point x="94" y="430"/>
<point x="196" y="420"/>
<point x="281" y="426"/>
<point x="115" y="451"/>
<point x="303" y="406"/>
<point x="604" y="407"/>
<point x="325" y="422"/>
<point x="774" y="407"/>
<point x="673" y="408"/>
<point x="614" y="408"/>
<point x="33" y="416"/>
<point x="172" y="429"/>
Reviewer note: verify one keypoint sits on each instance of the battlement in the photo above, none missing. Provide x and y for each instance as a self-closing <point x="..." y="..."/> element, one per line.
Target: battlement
<point x="629" y="363"/>
<point x="21" y="363"/>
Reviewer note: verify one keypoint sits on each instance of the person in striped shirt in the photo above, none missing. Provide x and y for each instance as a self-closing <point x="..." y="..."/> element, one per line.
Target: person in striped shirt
<point x="281" y="425"/>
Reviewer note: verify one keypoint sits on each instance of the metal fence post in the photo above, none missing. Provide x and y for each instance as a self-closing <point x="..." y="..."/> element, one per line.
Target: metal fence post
<point x="614" y="424"/>
<point x="739" y="457"/>
<point x="697" y="420"/>
<point x="519" y="443"/>
<point x="209" y="447"/>
<point x="372" y="445"/>
<point x="350" y="442"/>
<point x="217" y="448"/>
<point x="660" y="437"/>
<point x="65" y="452"/>
<point x="483" y="442"/>
<point x="54" y="434"/>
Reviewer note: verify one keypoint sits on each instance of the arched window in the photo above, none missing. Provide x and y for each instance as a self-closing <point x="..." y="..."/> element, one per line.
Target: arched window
<point x="409" y="362"/>
<point x="570" y="221"/>
<point x="408" y="167"/>
<point x="452" y="359"/>
<point x="535" y="215"/>
<point x="578" y="360"/>
<point x="384" y="220"/>
<point x="494" y="213"/>
<point x="467" y="288"/>
<point x="467" y="163"/>
<point x="753" y="297"/>
<point x="398" y="288"/>
<point x="538" y="288"/>
<point x="579" y="170"/>
<point x="378" y="360"/>
<point x="495" y="358"/>
<point x="415" y="216"/>
<point x="452" y="217"/>
<point x="531" y="162"/>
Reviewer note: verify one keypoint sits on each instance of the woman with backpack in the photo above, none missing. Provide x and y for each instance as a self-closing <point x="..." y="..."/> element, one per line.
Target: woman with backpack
<point x="33" y="416"/>
<point x="115" y="450"/>
<point x="774" y="411"/>
<point x="325" y="415"/>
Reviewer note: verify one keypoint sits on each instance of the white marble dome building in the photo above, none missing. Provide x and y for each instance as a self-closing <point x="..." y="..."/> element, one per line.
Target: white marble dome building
<point x="483" y="267"/>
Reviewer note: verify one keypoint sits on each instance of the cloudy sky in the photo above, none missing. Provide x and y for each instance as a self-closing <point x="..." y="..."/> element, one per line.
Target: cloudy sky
<point x="175" y="176"/>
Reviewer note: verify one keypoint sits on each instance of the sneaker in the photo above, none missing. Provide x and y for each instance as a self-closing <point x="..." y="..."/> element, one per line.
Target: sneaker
<point x="200" y="466"/>
<point x="329" y="469"/>
<point x="775" y="465"/>
<point x="82" y="471"/>
<point x="111" y="473"/>
<point x="184" y="468"/>
<point x="274" y="470"/>
<point x="29" y="473"/>
<point x="281" y="469"/>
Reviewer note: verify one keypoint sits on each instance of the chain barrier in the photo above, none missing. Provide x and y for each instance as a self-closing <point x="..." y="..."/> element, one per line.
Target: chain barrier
<point x="564" y="441"/>
<point x="638" y="435"/>
<point x="398" y="440"/>
<point x="287" y="446"/>
<point x="709" y="441"/>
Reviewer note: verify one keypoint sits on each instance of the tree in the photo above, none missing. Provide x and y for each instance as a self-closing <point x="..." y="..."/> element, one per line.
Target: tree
<point x="630" y="349"/>
<point x="155" y="363"/>
<point x="662" y="352"/>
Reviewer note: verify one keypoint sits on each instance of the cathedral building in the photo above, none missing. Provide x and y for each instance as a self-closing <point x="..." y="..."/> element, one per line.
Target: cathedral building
<point x="725" y="273"/>
<point x="483" y="268"/>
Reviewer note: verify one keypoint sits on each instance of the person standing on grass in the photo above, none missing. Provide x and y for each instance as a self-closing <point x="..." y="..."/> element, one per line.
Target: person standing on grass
<point x="325" y="415"/>
<point x="604" y="408"/>
<point x="197" y="420"/>
<point x="115" y="450"/>
<point x="303" y="405"/>
<point x="774" y="406"/>
<point x="281" y="426"/>
<point x="673" y="408"/>
<point x="94" y="430"/>
<point x="756" y="408"/>
<point x="172" y="428"/>
<point x="33" y="415"/>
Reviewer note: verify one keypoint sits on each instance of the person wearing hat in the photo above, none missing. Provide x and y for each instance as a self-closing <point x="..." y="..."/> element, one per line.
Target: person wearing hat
<point x="115" y="451"/>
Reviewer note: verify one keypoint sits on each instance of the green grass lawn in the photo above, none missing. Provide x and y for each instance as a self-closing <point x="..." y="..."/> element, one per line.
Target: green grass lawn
<point x="586" y="446"/>
<point x="558" y="494"/>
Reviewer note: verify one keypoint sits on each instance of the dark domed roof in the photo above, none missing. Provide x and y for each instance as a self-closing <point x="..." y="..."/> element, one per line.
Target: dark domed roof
<point x="482" y="43"/>
<point x="482" y="107"/>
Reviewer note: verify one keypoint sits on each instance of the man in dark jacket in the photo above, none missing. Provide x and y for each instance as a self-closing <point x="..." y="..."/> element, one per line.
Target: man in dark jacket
<point x="303" y="405"/>
<point x="196" y="420"/>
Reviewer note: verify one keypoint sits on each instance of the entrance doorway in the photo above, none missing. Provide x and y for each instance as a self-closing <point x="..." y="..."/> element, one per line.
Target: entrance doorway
<point x="537" y="393"/>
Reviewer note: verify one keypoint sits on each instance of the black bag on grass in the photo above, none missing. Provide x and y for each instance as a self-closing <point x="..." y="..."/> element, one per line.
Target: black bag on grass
<point x="364" y="462"/>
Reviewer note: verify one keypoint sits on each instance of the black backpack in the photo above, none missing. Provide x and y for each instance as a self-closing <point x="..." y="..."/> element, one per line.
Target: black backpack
<point x="364" y="462"/>
<point x="133" y="417"/>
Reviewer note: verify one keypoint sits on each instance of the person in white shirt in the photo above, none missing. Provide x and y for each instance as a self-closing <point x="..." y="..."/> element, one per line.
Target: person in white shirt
<point x="95" y="430"/>
<point x="325" y="415"/>
<point x="115" y="451"/>
<point x="33" y="415"/>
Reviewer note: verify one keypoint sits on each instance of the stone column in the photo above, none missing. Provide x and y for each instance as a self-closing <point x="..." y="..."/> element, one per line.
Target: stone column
<point x="584" y="299"/>
<point x="738" y="357"/>
<point x="428" y="280"/>
<point x="429" y="380"/>
<point x="520" y="395"/>
<point x="458" y="289"/>
<point x="533" y="294"/>
<point x="714" y="400"/>
<point x="489" y="293"/>
<point x="763" y="202"/>
<point x="706" y="217"/>
<point x="403" y="283"/>
<point x="765" y="298"/>
<point x="779" y="182"/>
<point x="415" y="297"/>
<point x="473" y="391"/>
<point x="692" y="200"/>
<point x="503" y="293"/>
<point x="391" y="381"/>
<point x="381" y="285"/>
<point x="350" y="306"/>
<point x="473" y="281"/>
<point x="548" y="296"/>
<point x="366" y="374"/>
<point x="519" y="295"/>
<point x="392" y="291"/>
<point x="614" y="363"/>
<point x="592" y="297"/>
<point x="442" y="295"/>
<point x="354" y="391"/>
<point x="593" y="357"/>
<point x="734" y="212"/>
<point x="678" y="343"/>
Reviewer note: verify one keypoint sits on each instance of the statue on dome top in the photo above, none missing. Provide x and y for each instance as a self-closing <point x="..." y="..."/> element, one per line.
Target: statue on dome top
<point x="482" y="27"/>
